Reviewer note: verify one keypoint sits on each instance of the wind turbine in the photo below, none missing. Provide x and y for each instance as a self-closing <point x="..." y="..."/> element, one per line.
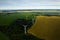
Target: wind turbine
<point x="25" y="27"/>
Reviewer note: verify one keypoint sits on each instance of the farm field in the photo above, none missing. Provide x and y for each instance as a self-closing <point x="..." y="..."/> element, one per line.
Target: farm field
<point x="46" y="27"/>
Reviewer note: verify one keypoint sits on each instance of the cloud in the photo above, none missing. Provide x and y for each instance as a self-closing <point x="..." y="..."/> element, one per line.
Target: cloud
<point x="29" y="4"/>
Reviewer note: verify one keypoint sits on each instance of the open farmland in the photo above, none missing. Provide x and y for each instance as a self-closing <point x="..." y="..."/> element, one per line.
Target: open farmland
<point x="11" y="24"/>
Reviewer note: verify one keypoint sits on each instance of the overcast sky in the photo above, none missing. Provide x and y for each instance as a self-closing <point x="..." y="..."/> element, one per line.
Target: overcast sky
<point x="29" y="4"/>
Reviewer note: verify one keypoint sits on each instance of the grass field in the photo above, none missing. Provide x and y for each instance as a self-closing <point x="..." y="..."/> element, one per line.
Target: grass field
<point x="3" y="36"/>
<point x="6" y="19"/>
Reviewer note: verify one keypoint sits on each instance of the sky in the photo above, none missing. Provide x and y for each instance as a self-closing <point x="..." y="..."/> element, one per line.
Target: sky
<point x="29" y="4"/>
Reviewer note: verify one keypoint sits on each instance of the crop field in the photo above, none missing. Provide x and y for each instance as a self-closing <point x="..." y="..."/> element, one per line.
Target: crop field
<point x="40" y="25"/>
<point x="46" y="27"/>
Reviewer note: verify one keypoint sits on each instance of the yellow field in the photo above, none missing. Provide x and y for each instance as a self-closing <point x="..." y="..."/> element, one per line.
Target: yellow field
<point x="46" y="27"/>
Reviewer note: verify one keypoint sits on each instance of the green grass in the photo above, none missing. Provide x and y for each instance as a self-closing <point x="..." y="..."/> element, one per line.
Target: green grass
<point x="7" y="19"/>
<point x="3" y="36"/>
